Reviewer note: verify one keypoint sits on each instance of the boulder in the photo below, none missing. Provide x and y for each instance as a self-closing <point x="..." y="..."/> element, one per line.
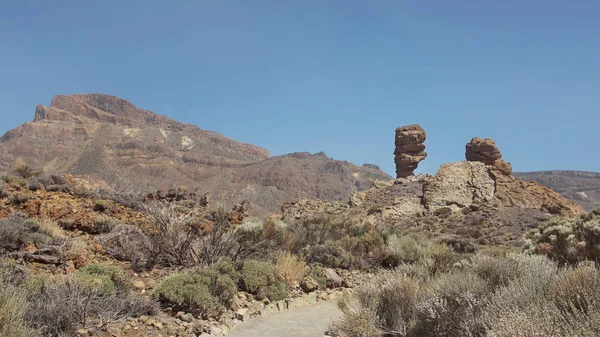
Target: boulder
<point x="334" y="280"/>
<point x="483" y="150"/>
<point x="308" y="284"/>
<point x="409" y="149"/>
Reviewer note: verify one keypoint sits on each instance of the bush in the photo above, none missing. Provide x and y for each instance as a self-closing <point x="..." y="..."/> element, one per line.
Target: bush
<point x="404" y="249"/>
<point x="34" y="186"/>
<point x="17" y="231"/>
<point x="59" y="308"/>
<point x="203" y="291"/>
<point x="329" y="255"/>
<point x="103" y="224"/>
<point x="516" y="295"/>
<point x="3" y="192"/>
<point x="13" y="305"/>
<point x="259" y="278"/>
<point x="290" y="269"/>
<point x="18" y="198"/>
<point x="172" y="236"/>
<point x="495" y="271"/>
<point x="27" y="172"/>
<point x="121" y="281"/>
<point x="577" y="291"/>
<point x="126" y="243"/>
<point x="100" y="205"/>
<point x="567" y="241"/>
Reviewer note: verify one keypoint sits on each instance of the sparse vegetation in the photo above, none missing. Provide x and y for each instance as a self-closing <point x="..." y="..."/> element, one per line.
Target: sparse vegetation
<point x="568" y="241"/>
<point x="27" y="172"/>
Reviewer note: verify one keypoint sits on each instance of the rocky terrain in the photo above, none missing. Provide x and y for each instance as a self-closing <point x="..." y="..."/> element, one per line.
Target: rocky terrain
<point x="108" y="139"/>
<point x="579" y="186"/>
<point x="477" y="199"/>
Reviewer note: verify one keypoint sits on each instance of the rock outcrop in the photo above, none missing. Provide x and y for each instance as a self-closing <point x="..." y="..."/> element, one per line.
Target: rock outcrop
<point x="458" y="185"/>
<point x="409" y="149"/>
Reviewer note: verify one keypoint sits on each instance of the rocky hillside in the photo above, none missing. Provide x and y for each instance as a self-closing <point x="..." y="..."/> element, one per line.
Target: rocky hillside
<point x="580" y="186"/>
<point x="109" y="139"/>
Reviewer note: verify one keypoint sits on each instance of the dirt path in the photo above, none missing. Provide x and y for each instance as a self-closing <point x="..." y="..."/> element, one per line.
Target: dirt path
<point x="310" y="321"/>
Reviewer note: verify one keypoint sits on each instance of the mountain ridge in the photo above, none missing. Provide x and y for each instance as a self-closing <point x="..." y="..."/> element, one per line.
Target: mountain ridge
<point x="111" y="139"/>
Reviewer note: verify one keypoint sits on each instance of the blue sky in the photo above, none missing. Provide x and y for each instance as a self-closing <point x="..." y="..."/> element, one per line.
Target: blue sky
<point x="333" y="76"/>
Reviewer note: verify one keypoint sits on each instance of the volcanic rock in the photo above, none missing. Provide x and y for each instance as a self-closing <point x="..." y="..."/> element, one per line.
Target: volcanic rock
<point x="409" y="149"/>
<point x="483" y="150"/>
<point x="458" y="185"/>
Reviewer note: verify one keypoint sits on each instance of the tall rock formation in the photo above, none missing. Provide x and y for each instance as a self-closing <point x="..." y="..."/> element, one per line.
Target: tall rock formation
<point x="409" y="149"/>
<point x="484" y="150"/>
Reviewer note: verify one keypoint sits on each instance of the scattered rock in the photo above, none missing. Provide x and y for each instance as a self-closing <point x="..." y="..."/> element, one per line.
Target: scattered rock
<point x="139" y="285"/>
<point x="187" y="318"/>
<point x="409" y="149"/>
<point x="242" y="314"/>
<point x="308" y="284"/>
<point x="333" y="279"/>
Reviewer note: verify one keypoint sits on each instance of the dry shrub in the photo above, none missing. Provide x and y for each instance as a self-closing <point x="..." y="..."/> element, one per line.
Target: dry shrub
<point x="357" y="320"/>
<point x="27" y="172"/>
<point x="496" y="271"/>
<point x="51" y="229"/>
<point x="451" y="306"/>
<point x="290" y="269"/>
<point x="60" y="308"/>
<point x="577" y="291"/>
<point x="172" y="235"/>
<point x="13" y="305"/>
<point x="126" y="243"/>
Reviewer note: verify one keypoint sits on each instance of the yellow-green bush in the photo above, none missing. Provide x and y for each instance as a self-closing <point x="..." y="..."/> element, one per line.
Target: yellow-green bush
<point x="203" y="291"/>
<point x="118" y="277"/>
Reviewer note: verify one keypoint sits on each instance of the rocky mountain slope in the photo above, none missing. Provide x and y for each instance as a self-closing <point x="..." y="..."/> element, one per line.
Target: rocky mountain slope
<point x="579" y="186"/>
<point x="108" y="138"/>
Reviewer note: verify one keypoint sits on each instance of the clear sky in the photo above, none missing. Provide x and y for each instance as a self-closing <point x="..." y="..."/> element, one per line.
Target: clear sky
<point x="333" y="76"/>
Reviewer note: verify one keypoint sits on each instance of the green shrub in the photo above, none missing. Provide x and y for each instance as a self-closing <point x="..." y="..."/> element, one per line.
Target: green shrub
<point x="259" y="278"/>
<point x="187" y="293"/>
<point x="119" y="278"/>
<point x="329" y="255"/>
<point x="94" y="283"/>
<point x="203" y="291"/>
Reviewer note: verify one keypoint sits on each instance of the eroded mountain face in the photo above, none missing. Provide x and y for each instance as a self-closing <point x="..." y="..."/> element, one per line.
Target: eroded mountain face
<point x="108" y="138"/>
<point x="579" y="186"/>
